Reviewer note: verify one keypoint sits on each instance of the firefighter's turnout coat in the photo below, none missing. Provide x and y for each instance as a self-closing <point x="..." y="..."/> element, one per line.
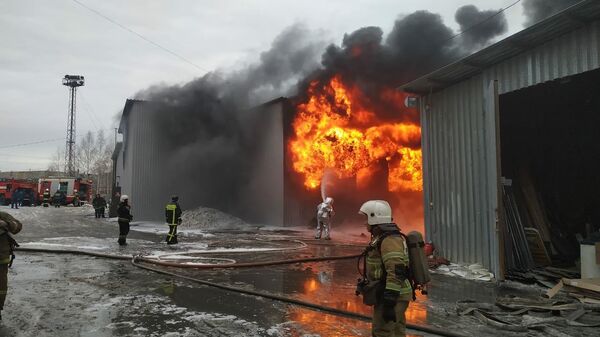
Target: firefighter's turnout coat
<point x="387" y="261"/>
<point x="173" y="213"/>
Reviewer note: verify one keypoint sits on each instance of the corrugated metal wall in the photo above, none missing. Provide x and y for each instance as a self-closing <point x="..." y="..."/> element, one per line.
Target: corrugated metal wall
<point x="140" y="164"/>
<point x="458" y="154"/>
<point x="570" y="54"/>
<point x="457" y="165"/>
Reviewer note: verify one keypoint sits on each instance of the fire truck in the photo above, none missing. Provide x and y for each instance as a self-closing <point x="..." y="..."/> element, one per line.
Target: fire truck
<point x="11" y="188"/>
<point x="68" y="187"/>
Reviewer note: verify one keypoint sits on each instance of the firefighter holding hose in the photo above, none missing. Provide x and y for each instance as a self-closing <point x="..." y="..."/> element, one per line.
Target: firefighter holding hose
<point x="173" y="215"/>
<point x="324" y="213"/>
<point x="386" y="284"/>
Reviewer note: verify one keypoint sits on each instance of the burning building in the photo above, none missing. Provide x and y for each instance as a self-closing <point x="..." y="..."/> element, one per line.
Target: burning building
<point x="298" y="151"/>
<point x="510" y="147"/>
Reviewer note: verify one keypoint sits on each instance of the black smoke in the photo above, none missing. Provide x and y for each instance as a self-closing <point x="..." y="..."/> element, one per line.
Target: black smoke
<point x="417" y="44"/>
<point x="479" y="27"/>
<point x="207" y="132"/>
<point x="208" y="137"/>
<point x="537" y="10"/>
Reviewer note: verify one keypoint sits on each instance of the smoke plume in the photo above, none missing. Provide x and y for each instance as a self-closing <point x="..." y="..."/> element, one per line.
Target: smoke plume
<point x="537" y="10"/>
<point x="209" y="136"/>
<point x="479" y="27"/>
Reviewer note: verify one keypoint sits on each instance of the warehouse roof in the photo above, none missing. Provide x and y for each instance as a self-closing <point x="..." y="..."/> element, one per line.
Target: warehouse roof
<point x="568" y="20"/>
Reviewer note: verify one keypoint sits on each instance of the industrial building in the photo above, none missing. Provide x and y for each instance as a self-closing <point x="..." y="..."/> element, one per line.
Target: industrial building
<point x="523" y="113"/>
<point x="269" y="195"/>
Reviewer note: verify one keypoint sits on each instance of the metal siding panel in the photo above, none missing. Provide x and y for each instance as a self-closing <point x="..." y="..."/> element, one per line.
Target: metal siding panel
<point x="459" y="161"/>
<point x="453" y="164"/>
<point x="570" y="54"/>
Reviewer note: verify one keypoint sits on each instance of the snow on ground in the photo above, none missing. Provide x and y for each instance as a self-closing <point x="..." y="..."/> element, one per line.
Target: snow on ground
<point x="210" y="218"/>
<point x="163" y="229"/>
<point x="130" y="313"/>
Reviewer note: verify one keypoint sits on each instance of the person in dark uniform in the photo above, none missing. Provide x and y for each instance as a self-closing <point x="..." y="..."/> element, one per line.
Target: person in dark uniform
<point x="173" y="214"/>
<point x="125" y="217"/>
<point x="102" y="203"/>
<point x="8" y="226"/>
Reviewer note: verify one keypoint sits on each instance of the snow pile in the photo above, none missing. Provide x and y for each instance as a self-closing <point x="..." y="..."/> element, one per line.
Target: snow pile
<point x="210" y="218"/>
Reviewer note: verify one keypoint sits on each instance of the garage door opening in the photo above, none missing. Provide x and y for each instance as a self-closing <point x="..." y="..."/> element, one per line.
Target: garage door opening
<point x="550" y="155"/>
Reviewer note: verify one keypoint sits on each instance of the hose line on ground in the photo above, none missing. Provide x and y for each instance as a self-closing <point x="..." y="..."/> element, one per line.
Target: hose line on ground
<point x="136" y="259"/>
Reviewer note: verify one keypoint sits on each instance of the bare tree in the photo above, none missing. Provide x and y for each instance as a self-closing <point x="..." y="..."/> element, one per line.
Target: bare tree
<point x="86" y="153"/>
<point x="57" y="162"/>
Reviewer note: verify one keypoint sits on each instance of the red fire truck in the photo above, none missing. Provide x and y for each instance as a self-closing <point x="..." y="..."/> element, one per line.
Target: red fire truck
<point x="69" y="188"/>
<point x="26" y="190"/>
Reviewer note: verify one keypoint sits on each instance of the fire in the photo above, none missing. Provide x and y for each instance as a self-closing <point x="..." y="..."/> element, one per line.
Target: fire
<point x="338" y="129"/>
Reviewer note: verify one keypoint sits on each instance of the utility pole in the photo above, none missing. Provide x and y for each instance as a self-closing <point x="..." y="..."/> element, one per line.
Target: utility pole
<point x="71" y="81"/>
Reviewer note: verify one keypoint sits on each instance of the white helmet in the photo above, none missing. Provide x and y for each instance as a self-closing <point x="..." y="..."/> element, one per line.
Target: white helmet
<point x="377" y="212"/>
<point x="124" y="197"/>
<point x="329" y="200"/>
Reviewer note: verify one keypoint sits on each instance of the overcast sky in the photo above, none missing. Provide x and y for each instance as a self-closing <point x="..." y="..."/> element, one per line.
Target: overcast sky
<point x="43" y="40"/>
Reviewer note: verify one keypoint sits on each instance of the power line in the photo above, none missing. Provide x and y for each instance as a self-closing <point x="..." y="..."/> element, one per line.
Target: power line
<point x="140" y="36"/>
<point x="32" y="143"/>
<point x="483" y="21"/>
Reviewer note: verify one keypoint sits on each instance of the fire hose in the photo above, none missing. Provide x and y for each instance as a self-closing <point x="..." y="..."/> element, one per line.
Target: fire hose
<point x="136" y="259"/>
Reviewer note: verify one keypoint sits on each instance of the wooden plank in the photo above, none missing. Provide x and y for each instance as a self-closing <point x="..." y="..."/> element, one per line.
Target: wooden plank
<point x="597" y="252"/>
<point x="592" y="284"/>
<point x="551" y="292"/>
<point x="537" y="247"/>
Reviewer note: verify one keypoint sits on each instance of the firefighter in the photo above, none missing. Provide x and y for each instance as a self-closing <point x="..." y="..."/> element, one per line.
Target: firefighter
<point x="102" y="203"/>
<point x="8" y="226"/>
<point x="46" y="198"/>
<point x="124" y="214"/>
<point x="173" y="214"/>
<point x="387" y="262"/>
<point x="57" y="199"/>
<point x="324" y="213"/>
<point x="95" y="204"/>
<point x="76" y="199"/>
<point x="14" y="200"/>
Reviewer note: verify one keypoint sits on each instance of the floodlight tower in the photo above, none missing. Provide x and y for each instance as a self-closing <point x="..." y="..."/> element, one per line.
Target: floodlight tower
<point x="71" y="81"/>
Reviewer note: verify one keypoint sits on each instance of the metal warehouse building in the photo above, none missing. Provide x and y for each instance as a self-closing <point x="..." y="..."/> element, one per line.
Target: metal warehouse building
<point x="529" y="98"/>
<point x="144" y="173"/>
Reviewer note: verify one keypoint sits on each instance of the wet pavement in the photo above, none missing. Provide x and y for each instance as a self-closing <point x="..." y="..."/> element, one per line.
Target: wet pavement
<point x="75" y="295"/>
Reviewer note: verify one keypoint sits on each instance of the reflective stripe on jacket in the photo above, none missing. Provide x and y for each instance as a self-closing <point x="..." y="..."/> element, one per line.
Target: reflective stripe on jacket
<point x="172" y="213"/>
<point x="392" y="257"/>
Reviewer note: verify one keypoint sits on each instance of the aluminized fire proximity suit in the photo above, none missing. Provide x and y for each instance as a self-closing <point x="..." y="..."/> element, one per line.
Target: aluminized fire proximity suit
<point x="324" y="213"/>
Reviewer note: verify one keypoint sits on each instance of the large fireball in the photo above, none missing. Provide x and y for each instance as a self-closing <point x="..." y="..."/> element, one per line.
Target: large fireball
<point x="337" y="129"/>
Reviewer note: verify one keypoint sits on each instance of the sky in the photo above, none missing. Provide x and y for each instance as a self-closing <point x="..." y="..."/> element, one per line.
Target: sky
<point x="41" y="41"/>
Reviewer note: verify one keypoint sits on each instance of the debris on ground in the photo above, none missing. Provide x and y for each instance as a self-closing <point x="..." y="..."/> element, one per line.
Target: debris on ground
<point x="524" y="314"/>
<point x="469" y="272"/>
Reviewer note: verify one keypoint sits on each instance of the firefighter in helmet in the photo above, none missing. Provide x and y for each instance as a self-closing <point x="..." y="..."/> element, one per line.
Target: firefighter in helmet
<point x="46" y="198"/>
<point x="324" y="213"/>
<point x="125" y="217"/>
<point x="173" y="215"/>
<point x="387" y="262"/>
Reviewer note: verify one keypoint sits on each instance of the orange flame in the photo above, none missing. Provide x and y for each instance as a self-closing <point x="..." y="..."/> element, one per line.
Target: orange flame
<point x="334" y="130"/>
